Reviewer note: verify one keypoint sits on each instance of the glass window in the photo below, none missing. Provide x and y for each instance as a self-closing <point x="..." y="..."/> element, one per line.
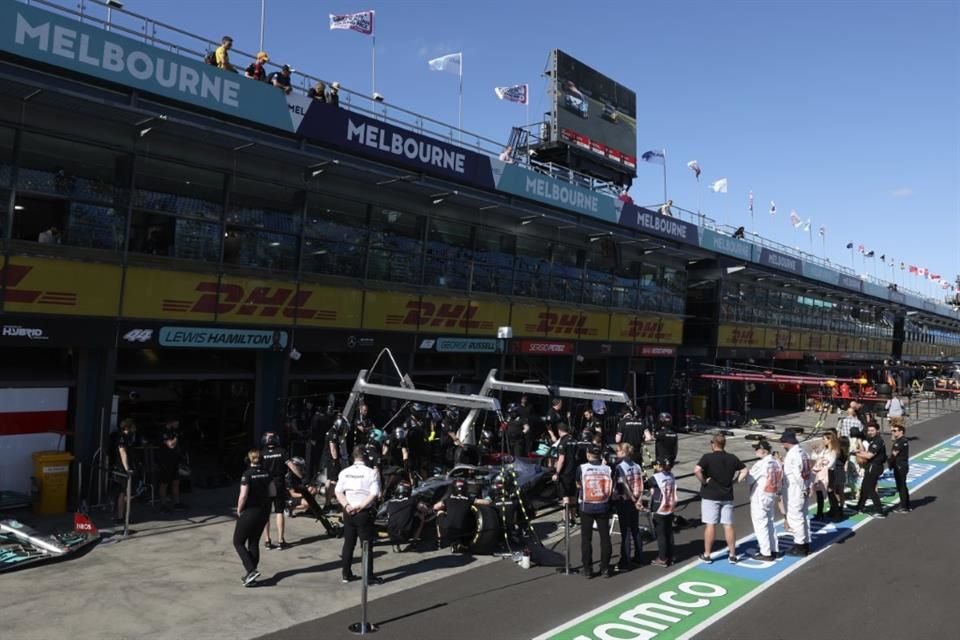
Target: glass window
<point x="674" y="290"/>
<point x="649" y="281"/>
<point x="601" y="260"/>
<point x="166" y="187"/>
<point x="493" y="261"/>
<point x="532" y="273"/>
<point x="6" y="157"/>
<point x="396" y="246"/>
<point x="449" y="254"/>
<point x="566" y="276"/>
<point x="260" y="249"/>
<point x="336" y="237"/>
<point x="263" y="205"/>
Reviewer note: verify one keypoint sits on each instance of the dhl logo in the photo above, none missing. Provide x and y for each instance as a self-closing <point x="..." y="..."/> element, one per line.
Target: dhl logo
<point x="449" y="315"/>
<point x="646" y="330"/>
<point x="562" y="324"/>
<point x="743" y="336"/>
<point x="15" y="275"/>
<point x="264" y="302"/>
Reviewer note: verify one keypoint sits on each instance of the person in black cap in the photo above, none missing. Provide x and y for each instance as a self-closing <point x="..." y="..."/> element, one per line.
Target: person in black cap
<point x="595" y="481"/>
<point x="276" y="462"/>
<point x="797" y="480"/>
<point x="765" y="480"/>
<point x="872" y="458"/>
<point x="664" y="437"/>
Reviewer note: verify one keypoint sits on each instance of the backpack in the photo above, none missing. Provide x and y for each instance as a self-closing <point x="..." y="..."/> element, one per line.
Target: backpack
<point x="211" y="59"/>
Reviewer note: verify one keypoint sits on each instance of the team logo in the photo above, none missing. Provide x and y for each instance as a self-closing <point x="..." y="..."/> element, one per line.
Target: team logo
<point x="263" y="302"/>
<point x="138" y="335"/>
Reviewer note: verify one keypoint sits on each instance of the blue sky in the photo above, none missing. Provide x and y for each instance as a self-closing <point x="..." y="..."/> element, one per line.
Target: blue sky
<point x="846" y="111"/>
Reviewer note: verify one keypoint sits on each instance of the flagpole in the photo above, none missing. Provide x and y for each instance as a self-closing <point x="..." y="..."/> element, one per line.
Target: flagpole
<point x="263" y="15"/>
<point x="853" y="264"/>
<point x="460" y="101"/>
<point x="373" y="66"/>
<point x="664" y="176"/>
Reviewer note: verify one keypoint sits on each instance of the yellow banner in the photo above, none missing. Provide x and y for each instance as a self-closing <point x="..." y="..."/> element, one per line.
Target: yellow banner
<point x="411" y="312"/>
<point x="62" y="287"/>
<point x="561" y="323"/>
<point x="645" y="329"/>
<point x="740" y="335"/>
<point x="175" y="295"/>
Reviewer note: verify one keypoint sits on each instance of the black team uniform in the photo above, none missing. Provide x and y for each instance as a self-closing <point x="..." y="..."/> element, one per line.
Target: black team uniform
<point x="868" y="489"/>
<point x="900" y="464"/>
<point x="252" y="521"/>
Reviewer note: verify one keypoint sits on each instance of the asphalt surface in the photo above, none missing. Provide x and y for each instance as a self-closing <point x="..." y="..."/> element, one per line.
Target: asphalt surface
<point x="888" y="580"/>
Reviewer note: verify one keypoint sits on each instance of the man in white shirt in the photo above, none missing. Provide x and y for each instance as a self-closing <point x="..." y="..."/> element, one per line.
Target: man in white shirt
<point x="765" y="479"/>
<point x="895" y="411"/>
<point x="358" y="487"/>
<point x="797" y="478"/>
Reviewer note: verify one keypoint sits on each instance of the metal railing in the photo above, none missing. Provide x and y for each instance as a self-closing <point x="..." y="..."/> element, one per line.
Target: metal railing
<point x="184" y="43"/>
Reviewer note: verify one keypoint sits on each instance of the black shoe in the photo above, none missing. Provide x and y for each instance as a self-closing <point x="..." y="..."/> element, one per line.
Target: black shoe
<point x="734" y="559"/>
<point x="250" y="578"/>
<point x="769" y="558"/>
<point x="348" y="578"/>
<point x="269" y="545"/>
<point x="284" y="545"/>
<point x="902" y="510"/>
<point x="801" y="550"/>
<point x="705" y="558"/>
<point x="610" y="572"/>
<point x="590" y="575"/>
<point x="657" y="562"/>
<point x="877" y="514"/>
<point x="375" y="580"/>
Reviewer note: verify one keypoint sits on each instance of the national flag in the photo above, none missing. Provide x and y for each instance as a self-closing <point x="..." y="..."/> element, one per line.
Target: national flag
<point x="452" y="62"/>
<point x="823" y="231"/>
<point x="795" y="220"/>
<point x="806" y="225"/>
<point x="695" y="167"/>
<point x="922" y="271"/>
<point x="862" y="249"/>
<point x="849" y="245"/>
<point x="869" y="254"/>
<point x="751" y="203"/>
<point x="773" y="207"/>
<point x="903" y="265"/>
<point x="517" y="93"/>
<point x="883" y="258"/>
<point x="934" y="277"/>
<point x="914" y="269"/>
<point x="720" y="186"/>
<point x="360" y="22"/>
<point x="656" y="157"/>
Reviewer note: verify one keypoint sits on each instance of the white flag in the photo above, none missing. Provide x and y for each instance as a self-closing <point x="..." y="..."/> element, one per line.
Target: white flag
<point x="720" y="186"/>
<point x="517" y="93"/>
<point x="795" y="220"/>
<point x="806" y="225"/>
<point x="751" y="203"/>
<point x="773" y="207"/>
<point x="452" y="62"/>
<point x="360" y="22"/>
<point x="694" y="166"/>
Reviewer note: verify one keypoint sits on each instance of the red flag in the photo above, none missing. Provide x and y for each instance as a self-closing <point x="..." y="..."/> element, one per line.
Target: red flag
<point x="861" y="249"/>
<point x="913" y="269"/>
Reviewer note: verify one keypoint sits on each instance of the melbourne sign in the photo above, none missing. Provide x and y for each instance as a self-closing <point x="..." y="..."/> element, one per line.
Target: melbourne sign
<point x="850" y="282"/>
<point x="726" y="245"/>
<point x="383" y="141"/>
<point x="559" y="193"/>
<point x="32" y="33"/>
<point x="213" y="338"/>
<point x="658" y="224"/>
<point x="781" y="261"/>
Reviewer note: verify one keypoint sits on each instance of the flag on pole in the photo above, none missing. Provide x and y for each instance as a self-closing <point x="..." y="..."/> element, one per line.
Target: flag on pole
<point x="806" y="225"/>
<point x="720" y="186"/>
<point x="922" y="271"/>
<point x="751" y="203"/>
<point x="823" y="231"/>
<point x="695" y="167"/>
<point x="361" y="22"/>
<point x="862" y="249"/>
<point x="795" y="220"/>
<point x="451" y="62"/>
<point x="849" y="245"/>
<point x="883" y="258"/>
<point x="773" y="207"/>
<point x="903" y="265"/>
<point x="517" y="93"/>
<point x="869" y="254"/>
<point x="655" y="157"/>
<point x="914" y="269"/>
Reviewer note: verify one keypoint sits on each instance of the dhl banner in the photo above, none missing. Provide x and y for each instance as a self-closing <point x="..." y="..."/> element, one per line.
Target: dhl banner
<point x="411" y="312"/>
<point x="176" y="295"/>
<point x="740" y="335"/>
<point x="41" y="285"/>
<point x="559" y="322"/>
<point x="626" y="327"/>
<point x="780" y="339"/>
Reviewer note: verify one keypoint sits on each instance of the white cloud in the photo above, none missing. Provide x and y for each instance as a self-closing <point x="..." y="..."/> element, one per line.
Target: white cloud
<point x="902" y="192"/>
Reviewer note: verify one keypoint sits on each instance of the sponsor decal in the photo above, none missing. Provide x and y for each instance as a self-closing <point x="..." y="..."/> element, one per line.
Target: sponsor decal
<point x="17" y="273"/>
<point x="263" y="302"/>
<point x="561" y="193"/>
<point x="427" y="344"/>
<point x="138" y="335"/>
<point x="16" y="331"/>
<point x="213" y="338"/>
<point x="562" y="324"/>
<point x="646" y="329"/>
<point x="540" y="347"/>
<point x="449" y="315"/>
<point x="64" y="287"/>
<point x="58" y="40"/>
<point x="660" y="225"/>
<point x="406" y="146"/>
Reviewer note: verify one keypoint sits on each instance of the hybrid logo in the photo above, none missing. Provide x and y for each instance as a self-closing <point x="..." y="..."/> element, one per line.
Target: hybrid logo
<point x="16" y="331"/>
<point x="138" y="335"/>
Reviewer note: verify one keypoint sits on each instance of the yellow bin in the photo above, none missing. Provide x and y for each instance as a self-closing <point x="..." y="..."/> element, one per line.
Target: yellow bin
<point x="699" y="407"/>
<point x="51" y="472"/>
